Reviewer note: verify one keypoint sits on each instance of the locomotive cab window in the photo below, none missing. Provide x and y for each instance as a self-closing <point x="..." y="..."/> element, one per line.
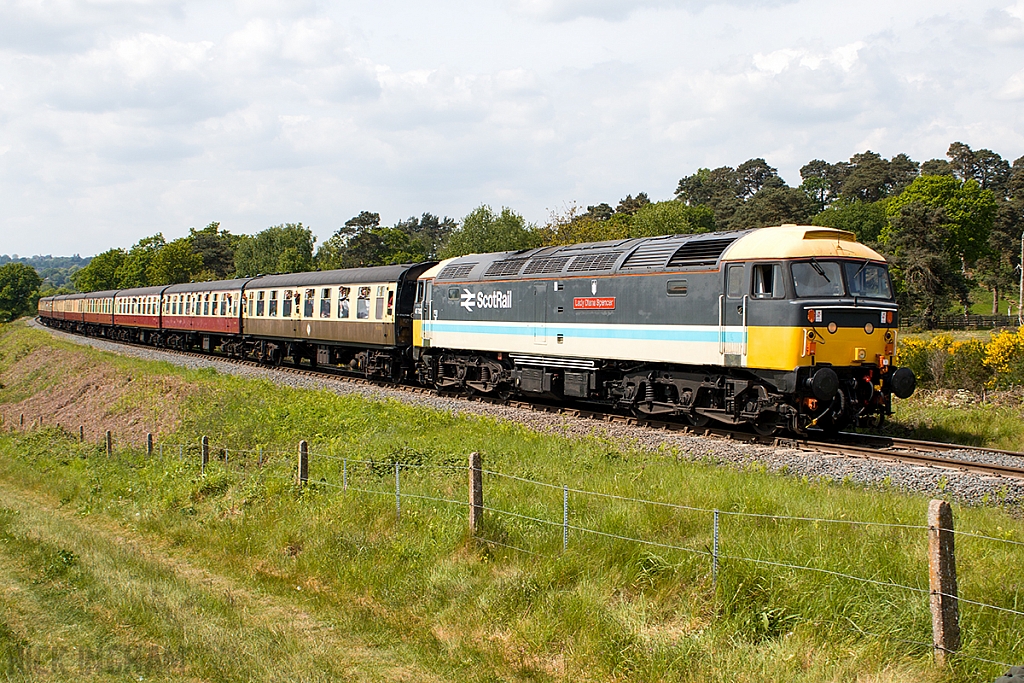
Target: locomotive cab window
<point x="817" y="279"/>
<point x="454" y="294"/>
<point x="735" y="282"/>
<point x="867" y="279"/>
<point x="768" y="281"/>
<point x="325" y="302"/>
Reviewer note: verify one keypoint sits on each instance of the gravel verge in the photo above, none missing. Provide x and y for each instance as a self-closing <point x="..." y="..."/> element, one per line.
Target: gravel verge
<point x="965" y="487"/>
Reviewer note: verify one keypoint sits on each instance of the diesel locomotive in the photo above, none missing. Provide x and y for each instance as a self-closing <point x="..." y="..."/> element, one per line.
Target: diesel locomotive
<point x="790" y="327"/>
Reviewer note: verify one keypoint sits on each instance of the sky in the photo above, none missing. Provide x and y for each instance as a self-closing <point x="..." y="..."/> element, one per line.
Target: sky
<point x="123" y="118"/>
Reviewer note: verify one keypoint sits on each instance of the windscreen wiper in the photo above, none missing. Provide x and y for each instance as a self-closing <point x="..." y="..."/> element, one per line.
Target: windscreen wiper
<point x="862" y="267"/>
<point x="821" y="271"/>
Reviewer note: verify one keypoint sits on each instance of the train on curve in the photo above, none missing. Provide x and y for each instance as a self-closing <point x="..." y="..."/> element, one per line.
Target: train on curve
<point x="789" y="327"/>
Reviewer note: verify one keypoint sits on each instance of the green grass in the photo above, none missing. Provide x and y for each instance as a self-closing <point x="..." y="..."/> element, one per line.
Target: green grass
<point x="936" y="416"/>
<point x="238" y="574"/>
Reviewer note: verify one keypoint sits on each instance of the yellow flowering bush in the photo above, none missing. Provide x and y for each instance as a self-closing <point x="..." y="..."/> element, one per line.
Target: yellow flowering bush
<point x="965" y="367"/>
<point x="913" y="353"/>
<point x="1005" y="358"/>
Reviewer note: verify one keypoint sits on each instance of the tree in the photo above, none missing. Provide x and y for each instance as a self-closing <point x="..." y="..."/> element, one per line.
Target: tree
<point x="718" y="188"/>
<point x="286" y="248"/>
<point x="483" y="231"/>
<point x="175" y="263"/>
<point x="936" y="167"/>
<point x="101" y="273"/>
<point x="864" y="219"/>
<point x="822" y="181"/>
<point x="754" y="174"/>
<point x="216" y="248"/>
<point x="927" y="280"/>
<point x="871" y="177"/>
<point x="630" y="205"/>
<point x="427" y="234"/>
<point x="134" y="271"/>
<point x="19" y="286"/>
<point x="773" y="206"/>
<point x="984" y="166"/>
<point x="968" y="210"/>
<point x="671" y="218"/>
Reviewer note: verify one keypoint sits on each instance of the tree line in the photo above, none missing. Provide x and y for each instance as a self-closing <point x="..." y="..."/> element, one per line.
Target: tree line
<point x="948" y="227"/>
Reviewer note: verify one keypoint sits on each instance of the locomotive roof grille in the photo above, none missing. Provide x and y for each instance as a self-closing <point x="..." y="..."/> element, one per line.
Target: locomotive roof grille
<point x="552" y="264"/>
<point x="700" y="253"/>
<point x="651" y="255"/>
<point x="456" y="271"/>
<point x="594" y="262"/>
<point x="505" y="268"/>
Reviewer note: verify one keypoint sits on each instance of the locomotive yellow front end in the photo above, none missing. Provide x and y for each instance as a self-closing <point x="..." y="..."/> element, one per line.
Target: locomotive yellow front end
<point x="820" y="311"/>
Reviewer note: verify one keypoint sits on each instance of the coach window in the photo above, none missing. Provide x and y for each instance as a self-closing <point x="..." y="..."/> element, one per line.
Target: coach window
<point x="225" y="305"/>
<point x="363" y="303"/>
<point x="379" y="312"/>
<point x="286" y="304"/>
<point x="273" y="304"/>
<point x="206" y="304"/>
<point x="307" y="310"/>
<point x="325" y="302"/>
<point x="260" y="304"/>
<point x="768" y="282"/>
<point x="735" y="288"/>
<point x="391" y="303"/>
<point x="343" y="293"/>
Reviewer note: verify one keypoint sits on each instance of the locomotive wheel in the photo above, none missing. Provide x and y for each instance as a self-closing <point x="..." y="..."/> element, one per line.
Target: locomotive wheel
<point x="697" y="419"/>
<point x="767" y="426"/>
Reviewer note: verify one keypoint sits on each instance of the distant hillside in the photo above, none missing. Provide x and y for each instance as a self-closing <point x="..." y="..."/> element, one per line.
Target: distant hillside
<point x="55" y="270"/>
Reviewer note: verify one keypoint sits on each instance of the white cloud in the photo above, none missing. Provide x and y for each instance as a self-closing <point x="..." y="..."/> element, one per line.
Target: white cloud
<point x="121" y="119"/>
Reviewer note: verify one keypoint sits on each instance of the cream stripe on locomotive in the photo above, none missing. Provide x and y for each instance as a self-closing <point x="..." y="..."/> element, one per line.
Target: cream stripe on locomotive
<point x="696" y="344"/>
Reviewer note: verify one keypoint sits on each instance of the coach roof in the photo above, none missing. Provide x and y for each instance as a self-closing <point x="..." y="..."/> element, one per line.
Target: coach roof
<point x="333" y="277"/>
<point x="211" y="286"/>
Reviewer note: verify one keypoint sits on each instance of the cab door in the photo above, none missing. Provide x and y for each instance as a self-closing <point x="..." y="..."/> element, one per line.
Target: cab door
<point x="732" y="316"/>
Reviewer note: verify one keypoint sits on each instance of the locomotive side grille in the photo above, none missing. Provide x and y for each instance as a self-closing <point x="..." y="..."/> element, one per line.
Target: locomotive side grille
<point x="650" y="255"/>
<point x="699" y="253"/>
<point x="552" y="264"/>
<point x="594" y="262"/>
<point x="456" y="271"/>
<point x="504" y="268"/>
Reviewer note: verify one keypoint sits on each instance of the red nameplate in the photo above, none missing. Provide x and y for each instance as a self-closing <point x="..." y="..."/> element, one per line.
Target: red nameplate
<point x="594" y="302"/>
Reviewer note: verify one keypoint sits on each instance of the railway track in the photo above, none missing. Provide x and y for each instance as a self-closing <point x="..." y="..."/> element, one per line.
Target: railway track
<point x="845" y="444"/>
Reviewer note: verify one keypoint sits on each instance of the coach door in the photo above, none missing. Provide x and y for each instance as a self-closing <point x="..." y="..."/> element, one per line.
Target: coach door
<point x="732" y="316"/>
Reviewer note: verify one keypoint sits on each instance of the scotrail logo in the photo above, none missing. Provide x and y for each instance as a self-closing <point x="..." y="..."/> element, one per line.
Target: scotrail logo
<point x="468" y="300"/>
<point x="495" y="299"/>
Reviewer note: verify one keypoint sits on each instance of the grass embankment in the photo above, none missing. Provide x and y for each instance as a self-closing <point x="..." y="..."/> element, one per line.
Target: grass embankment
<point x="144" y="566"/>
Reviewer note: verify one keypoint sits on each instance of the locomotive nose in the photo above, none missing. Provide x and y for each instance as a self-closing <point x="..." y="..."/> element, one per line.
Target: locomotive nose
<point x="903" y="382"/>
<point x="824" y="383"/>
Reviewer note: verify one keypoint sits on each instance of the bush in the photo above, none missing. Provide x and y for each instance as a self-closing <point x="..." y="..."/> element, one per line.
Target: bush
<point x="965" y="366"/>
<point x="1005" y="358"/>
<point x="913" y="354"/>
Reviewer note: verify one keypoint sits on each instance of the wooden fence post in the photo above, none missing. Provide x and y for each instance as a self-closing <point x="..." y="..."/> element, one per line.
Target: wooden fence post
<point x="149" y="444"/>
<point x="22" y="423"/>
<point x="942" y="577"/>
<point x="110" y="444"/>
<point x="303" y="469"/>
<point x="81" y="433"/>
<point x="204" y="448"/>
<point x="476" y="493"/>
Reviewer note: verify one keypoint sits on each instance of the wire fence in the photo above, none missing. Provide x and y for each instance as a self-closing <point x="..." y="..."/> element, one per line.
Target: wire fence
<point x="432" y="483"/>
